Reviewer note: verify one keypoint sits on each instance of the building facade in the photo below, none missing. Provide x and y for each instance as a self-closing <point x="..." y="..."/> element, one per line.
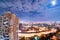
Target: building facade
<point x="1" y="29"/>
<point x="9" y="23"/>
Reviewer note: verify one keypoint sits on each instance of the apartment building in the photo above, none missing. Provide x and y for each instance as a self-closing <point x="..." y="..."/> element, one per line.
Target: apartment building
<point x="9" y="23"/>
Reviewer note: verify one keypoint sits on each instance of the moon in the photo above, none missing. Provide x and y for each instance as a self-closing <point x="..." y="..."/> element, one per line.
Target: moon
<point x="53" y="2"/>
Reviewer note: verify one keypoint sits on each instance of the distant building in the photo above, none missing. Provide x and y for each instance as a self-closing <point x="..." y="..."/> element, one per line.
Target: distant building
<point x="20" y="25"/>
<point x="8" y="26"/>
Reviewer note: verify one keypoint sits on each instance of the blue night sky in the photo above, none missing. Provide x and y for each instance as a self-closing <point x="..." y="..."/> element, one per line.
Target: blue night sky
<point x="32" y="10"/>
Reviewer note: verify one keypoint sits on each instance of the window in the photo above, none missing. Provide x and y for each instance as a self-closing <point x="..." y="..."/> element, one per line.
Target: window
<point x="6" y="27"/>
<point x="0" y="31"/>
<point x="4" y="17"/>
<point x="6" y="30"/>
<point x="0" y="18"/>
<point x="0" y="25"/>
<point x="6" y="33"/>
<point x="6" y="23"/>
<point x="7" y="39"/>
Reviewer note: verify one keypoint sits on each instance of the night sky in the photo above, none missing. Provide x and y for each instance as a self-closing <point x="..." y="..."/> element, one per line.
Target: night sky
<point x="32" y="10"/>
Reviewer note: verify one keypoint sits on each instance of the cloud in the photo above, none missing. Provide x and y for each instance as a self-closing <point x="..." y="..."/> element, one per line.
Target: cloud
<point x="27" y="9"/>
<point x="24" y="5"/>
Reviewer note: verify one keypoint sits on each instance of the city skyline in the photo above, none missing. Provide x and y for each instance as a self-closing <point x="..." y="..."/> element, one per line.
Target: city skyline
<point x="32" y="10"/>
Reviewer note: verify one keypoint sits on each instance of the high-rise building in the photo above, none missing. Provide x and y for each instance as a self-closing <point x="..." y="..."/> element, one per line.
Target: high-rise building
<point x="9" y="23"/>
